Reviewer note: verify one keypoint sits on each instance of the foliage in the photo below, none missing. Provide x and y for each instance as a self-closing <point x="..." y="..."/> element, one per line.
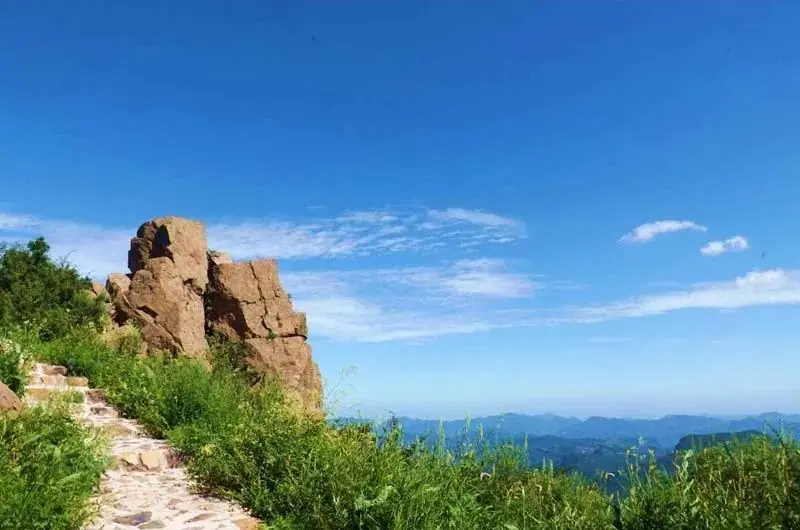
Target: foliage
<point x="49" y="468"/>
<point x="243" y="441"/>
<point x="300" y="473"/>
<point x="37" y="292"/>
<point x="13" y="364"/>
<point x="734" y="486"/>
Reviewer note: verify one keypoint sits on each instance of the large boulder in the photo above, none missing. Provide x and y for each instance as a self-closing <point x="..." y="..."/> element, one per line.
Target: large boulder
<point x="9" y="402"/>
<point x="164" y="292"/>
<point x="245" y="301"/>
<point x="177" y="290"/>
<point x="183" y="241"/>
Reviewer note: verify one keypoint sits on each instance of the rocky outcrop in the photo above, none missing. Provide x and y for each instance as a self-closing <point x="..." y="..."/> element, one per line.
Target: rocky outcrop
<point x="245" y="301"/>
<point x="9" y="402"/>
<point x="96" y="289"/>
<point x="163" y="294"/>
<point x="178" y="290"/>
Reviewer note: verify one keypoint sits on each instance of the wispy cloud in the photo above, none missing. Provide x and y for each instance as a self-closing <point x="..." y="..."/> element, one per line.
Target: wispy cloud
<point x="477" y="217"/>
<point x="93" y="249"/>
<point x="732" y="244"/>
<point x="99" y="250"/>
<point x="756" y="288"/>
<point x="362" y="233"/>
<point x="15" y="221"/>
<point x="490" y="278"/>
<point x="412" y="303"/>
<point x="649" y="231"/>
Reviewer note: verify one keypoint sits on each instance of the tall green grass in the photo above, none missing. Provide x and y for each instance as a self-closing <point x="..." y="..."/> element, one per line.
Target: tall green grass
<point x="14" y="361"/>
<point x="49" y="469"/>
<point x="244" y="442"/>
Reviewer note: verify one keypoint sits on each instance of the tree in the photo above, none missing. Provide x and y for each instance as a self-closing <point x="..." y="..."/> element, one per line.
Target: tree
<point x="36" y="291"/>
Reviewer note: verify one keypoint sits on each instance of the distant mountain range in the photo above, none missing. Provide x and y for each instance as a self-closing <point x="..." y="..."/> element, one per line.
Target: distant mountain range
<point x="596" y="445"/>
<point x="663" y="432"/>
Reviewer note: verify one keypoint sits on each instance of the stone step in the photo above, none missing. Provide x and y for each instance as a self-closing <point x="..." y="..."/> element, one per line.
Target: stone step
<point x="57" y="380"/>
<point x="116" y="430"/>
<point x="39" y="392"/>
<point x="104" y="411"/>
<point x="153" y="460"/>
<point x="49" y="369"/>
<point x="96" y="395"/>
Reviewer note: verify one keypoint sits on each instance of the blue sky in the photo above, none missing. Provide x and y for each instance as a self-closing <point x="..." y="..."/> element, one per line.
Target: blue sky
<point x="583" y="208"/>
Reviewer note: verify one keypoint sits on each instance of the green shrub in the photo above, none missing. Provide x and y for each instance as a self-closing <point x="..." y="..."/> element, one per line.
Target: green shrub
<point x="39" y="293"/>
<point x="49" y="468"/>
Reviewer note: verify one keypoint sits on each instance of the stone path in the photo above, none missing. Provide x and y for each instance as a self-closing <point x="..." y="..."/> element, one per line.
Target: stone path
<point x="146" y="487"/>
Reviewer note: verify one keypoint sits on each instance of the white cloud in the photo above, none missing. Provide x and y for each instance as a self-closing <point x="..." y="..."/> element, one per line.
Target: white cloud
<point x="99" y="250"/>
<point x="410" y="303"/>
<point x="732" y="244"/>
<point x="487" y="278"/>
<point x="756" y="288"/>
<point x="477" y="217"/>
<point x="346" y="318"/>
<point x="93" y="249"/>
<point x="367" y="216"/>
<point x="359" y="233"/>
<point x="14" y="222"/>
<point x="649" y="231"/>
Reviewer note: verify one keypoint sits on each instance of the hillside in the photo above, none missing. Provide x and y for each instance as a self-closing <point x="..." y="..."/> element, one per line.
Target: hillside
<point x="244" y="437"/>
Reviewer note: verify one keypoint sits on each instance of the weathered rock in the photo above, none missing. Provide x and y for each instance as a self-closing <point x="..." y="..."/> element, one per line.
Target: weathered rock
<point x="51" y="369"/>
<point x="178" y="290"/>
<point x="153" y="524"/>
<point x="217" y="257"/>
<point x="247" y="523"/>
<point x="118" y="284"/>
<point x="163" y="296"/>
<point x="290" y="359"/>
<point x="245" y="301"/>
<point x="134" y="519"/>
<point x="181" y="240"/>
<point x="9" y="402"/>
<point x="97" y="289"/>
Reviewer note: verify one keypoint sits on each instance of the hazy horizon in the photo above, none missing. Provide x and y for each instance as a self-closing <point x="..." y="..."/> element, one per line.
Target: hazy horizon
<point x="581" y="414"/>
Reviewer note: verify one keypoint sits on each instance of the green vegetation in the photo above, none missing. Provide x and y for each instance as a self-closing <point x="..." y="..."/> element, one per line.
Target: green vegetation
<point x="40" y="294"/>
<point x="243" y="441"/>
<point x="13" y="365"/>
<point x="298" y="472"/>
<point x="49" y="468"/>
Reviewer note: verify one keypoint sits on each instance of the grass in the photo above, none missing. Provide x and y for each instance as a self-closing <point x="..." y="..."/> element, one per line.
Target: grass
<point x="49" y="469"/>
<point x="245" y="443"/>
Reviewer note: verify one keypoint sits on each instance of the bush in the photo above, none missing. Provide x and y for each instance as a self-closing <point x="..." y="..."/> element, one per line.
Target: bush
<point x="47" y="296"/>
<point x="49" y="469"/>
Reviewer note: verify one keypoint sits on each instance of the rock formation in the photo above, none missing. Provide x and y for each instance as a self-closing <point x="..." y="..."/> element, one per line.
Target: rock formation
<point x="177" y="290"/>
<point x="9" y="402"/>
<point x="245" y="301"/>
<point x="164" y="292"/>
